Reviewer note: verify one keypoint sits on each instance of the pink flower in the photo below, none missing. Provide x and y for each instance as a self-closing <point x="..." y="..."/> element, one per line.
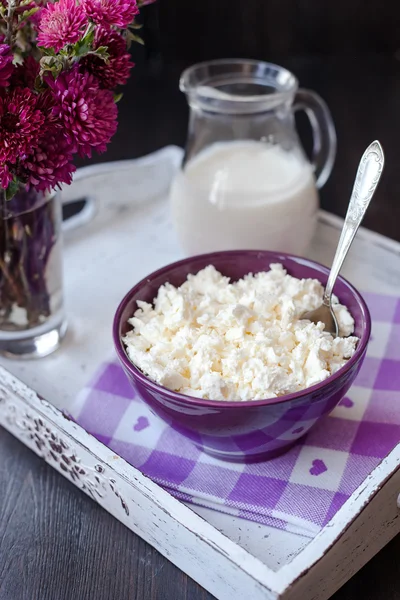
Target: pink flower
<point x="21" y="123"/>
<point x="6" y="66"/>
<point x="61" y="23"/>
<point x="50" y="163"/>
<point x="119" y="13"/>
<point x="87" y="113"/>
<point x="47" y="161"/>
<point x="25" y="74"/>
<point x="117" y="68"/>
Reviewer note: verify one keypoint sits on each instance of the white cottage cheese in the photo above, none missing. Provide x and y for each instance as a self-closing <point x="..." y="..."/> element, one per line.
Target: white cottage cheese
<point x="237" y="341"/>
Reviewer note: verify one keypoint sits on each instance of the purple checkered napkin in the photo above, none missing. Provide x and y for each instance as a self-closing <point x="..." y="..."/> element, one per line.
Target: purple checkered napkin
<point x="299" y="491"/>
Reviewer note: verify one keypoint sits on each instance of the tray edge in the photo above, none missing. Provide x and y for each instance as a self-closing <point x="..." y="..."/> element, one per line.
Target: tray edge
<point x="120" y="489"/>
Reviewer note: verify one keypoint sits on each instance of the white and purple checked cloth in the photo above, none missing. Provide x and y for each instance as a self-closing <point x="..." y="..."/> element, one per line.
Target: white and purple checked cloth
<point x="299" y="491"/>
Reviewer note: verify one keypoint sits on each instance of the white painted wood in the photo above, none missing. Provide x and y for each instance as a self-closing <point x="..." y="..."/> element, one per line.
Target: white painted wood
<point x="377" y="524"/>
<point x="272" y="546"/>
<point x="126" y="232"/>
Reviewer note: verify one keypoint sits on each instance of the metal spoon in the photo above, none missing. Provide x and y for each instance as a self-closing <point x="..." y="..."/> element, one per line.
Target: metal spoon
<point x="368" y="175"/>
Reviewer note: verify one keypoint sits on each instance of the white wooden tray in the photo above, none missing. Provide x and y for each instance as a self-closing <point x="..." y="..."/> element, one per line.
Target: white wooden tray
<point x="123" y="234"/>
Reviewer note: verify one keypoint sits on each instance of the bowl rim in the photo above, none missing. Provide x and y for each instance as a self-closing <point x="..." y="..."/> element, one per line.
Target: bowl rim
<point x="209" y="403"/>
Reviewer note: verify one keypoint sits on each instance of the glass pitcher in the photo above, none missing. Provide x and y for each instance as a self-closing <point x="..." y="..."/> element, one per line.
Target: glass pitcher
<point x="245" y="181"/>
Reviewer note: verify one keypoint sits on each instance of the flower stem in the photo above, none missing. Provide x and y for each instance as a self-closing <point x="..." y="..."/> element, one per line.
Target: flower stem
<point x="13" y="286"/>
<point x="9" y="20"/>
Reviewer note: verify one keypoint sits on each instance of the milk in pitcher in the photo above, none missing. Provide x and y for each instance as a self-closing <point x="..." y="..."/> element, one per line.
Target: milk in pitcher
<point x="245" y="195"/>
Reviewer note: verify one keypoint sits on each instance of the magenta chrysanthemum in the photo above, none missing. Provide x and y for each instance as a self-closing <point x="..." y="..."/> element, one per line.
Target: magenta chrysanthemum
<point x="25" y="74"/>
<point x="50" y="163"/>
<point x="61" y="23"/>
<point x="6" y="66"/>
<point x="119" y="13"/>
<point x="20" y="124"/>
<point x="57" y="96"/>
<point x="115" y="71"/>
<point x="87" y="113"/>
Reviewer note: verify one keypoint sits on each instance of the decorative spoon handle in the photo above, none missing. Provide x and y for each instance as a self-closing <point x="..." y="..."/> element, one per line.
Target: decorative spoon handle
<point x="368" y="176"/>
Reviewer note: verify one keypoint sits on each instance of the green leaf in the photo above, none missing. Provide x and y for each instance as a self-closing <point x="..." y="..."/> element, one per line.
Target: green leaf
<point x="117" y="98"/>
<point x="89" y="34"/>
<point x="47" y="51"/>
<point x="132" y="37"/>
<point x="136" y="38"/>
<point x="84" y="46"/>
<point x="80" y="49"/>
<point x="18" y="59"/>
<point x="27" y="14"/>
<point x="12" y="189"/>
<point x="102" y="52"/>
<point x="53" y="64"/>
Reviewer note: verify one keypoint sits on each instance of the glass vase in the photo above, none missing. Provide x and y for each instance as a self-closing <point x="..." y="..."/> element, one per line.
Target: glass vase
<point x="32" y="321"/>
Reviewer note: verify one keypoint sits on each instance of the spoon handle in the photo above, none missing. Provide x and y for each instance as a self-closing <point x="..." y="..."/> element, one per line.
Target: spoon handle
<point x="368" y="175"/>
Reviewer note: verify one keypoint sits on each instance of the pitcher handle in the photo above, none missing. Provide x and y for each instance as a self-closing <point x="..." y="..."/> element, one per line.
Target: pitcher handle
<point x="324" y="134"/>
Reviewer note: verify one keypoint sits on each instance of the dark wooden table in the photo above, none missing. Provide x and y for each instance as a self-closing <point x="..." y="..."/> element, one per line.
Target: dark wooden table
<point x="55" y="543"/>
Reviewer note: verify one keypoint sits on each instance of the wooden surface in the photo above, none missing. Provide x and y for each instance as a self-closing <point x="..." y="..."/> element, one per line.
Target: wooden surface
<point x="56" y="544"/>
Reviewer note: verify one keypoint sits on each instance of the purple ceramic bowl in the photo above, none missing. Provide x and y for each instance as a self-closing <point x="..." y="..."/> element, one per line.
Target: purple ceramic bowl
<point x="256" y="429"/>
